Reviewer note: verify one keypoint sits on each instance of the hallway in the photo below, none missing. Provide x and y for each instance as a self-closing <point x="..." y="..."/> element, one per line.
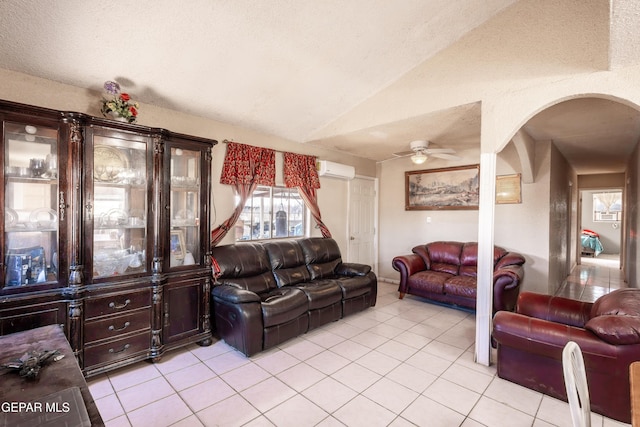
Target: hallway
<point x="593" y="278"/>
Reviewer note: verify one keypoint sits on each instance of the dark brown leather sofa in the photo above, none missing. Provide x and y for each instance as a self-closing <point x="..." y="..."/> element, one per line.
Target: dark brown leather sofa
<point x="268" y="293"/>
<point x="530" y="343"/>
<point x="446" y="272"/>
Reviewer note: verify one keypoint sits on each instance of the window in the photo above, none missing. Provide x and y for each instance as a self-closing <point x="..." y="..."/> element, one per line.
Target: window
<point x="272" y="213"/>
<point x="607" y="206"/>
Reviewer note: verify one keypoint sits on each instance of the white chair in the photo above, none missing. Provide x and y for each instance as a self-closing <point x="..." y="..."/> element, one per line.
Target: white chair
<point x="575" y="380"/>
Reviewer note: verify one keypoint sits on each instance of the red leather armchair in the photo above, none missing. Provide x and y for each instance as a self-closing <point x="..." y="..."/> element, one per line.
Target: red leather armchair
<point x="530" y="342"/>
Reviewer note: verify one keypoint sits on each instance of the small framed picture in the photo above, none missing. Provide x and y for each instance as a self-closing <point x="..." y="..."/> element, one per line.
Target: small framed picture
<point x="508" y="189"/>
<point x="177" y="245"/>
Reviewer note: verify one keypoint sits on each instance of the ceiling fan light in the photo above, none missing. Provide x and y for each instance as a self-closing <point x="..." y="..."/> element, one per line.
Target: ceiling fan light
<point x="419" y="158"/>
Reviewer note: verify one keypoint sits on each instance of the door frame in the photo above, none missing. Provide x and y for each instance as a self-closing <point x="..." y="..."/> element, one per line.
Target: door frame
<point x="623" y="222"/>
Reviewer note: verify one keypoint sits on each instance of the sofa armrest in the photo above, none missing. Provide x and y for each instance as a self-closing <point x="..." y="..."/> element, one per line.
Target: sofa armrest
<point x="510" y="258"/>
<point x="506" y="287"/>
<point x="554" y="309"/>
<point x="546" y="338"/>
<point x="234" y="295"/>
<point x="352" y="269"/>
<point x="508" y="277"/>
<point x="407" y="265"/>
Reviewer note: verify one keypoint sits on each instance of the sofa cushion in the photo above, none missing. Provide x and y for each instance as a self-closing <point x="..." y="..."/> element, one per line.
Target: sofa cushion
<point x="287" y="262"/>
<point x="622" y="302"/>
<point x="284" y="254"/>
<point x="321" y="293"/>
<point x="445" y="256"/>
<point x="468" y="271"/>
<point x="321" y="255"/>
<point x="422" y="252"/>
<point x="282" y="305"/>
<point x="469" y="255"/>
<point x="352" y="269"/>
<point x="615" y="329"/>
<point x="354" y="286"/>
<point x="319" y="250"/>
<point x="323" y="271"/>
<point x="463" y="286"/>
<point x="291" y="276"/>
<point x="259" y="284"/>
<point x="428" y="281"/>
<point x="615" y="317"/>
<point x="245" y="265"/>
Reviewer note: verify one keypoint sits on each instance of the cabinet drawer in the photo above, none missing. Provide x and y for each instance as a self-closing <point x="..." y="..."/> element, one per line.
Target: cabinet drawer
<point x="118" y="349"/>
<point x="112" y="327"/>
<point x="118" y="303"/>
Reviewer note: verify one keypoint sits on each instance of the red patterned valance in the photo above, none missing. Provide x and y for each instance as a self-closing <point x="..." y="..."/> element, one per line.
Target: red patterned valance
<point x="300" y="171"/>
<point x="246" y="164"/>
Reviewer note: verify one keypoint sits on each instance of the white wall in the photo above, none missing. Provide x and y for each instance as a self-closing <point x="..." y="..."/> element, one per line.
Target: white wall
<point x="524" y="227"/>
<point x="401" y="230"/>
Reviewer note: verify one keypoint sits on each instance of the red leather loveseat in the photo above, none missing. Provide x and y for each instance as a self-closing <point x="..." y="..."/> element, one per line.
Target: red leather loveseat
<point x="530" y="343"/>
<point x="446" y="272"/>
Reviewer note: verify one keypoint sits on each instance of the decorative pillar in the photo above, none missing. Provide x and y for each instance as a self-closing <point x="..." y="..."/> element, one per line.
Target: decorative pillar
<point x="484" y="301"/>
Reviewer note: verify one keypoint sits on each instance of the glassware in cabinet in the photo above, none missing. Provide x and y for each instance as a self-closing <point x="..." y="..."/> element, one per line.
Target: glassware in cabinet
<point x="31" y="238"/>
<point x="119" y="210"/>
<point x="184" y="236"/>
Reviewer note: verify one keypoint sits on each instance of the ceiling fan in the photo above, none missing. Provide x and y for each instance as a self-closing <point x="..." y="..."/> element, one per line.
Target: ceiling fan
<point x="420" y="151"/>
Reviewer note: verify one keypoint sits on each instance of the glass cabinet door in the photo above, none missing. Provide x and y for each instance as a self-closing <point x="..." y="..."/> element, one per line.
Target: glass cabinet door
<point x="119" y="206"/>
<point x="184" y="236"/>
<point x="30" y="205"/>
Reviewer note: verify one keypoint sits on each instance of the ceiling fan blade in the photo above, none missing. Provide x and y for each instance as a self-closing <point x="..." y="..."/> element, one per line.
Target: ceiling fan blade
<point x="403" y="153"/>
<point x="439" y="150"/>
<point x="446" y="156"/>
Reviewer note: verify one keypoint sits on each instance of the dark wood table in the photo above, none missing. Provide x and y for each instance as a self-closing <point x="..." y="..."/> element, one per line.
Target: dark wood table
<point x="59" y="391"/>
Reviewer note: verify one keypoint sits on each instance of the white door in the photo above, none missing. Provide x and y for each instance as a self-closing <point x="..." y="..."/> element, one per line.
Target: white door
<point x="362" y="221"/>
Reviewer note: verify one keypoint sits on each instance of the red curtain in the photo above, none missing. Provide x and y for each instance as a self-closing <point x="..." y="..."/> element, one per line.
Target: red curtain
<point x="300" y="171"/>
<point x="245" y="167"/>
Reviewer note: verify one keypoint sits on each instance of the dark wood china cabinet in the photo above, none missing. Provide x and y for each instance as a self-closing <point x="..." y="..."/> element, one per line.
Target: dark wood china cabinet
<point x="106" y="233"/>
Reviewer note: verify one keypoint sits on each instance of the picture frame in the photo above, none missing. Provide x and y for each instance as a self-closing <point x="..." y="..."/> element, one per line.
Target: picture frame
<point x="177" y="244"/>
<point x="455" y="188"/>
<point x="508" y="189"/>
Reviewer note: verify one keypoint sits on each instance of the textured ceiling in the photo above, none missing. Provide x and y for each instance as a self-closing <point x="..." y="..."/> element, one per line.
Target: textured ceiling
<point x="279" y="66"/>
<point x="349" y="75"/>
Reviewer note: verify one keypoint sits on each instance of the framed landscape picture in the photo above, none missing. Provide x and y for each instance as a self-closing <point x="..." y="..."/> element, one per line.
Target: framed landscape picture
<point x="443" y="189"/>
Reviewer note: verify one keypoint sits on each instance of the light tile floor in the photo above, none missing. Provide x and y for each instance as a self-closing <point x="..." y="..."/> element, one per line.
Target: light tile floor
<point x="401" y="363"/>
<point x="593" y="278"/>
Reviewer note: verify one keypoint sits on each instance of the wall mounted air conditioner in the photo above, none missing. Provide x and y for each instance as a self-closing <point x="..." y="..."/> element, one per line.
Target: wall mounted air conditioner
<point x="335" y="170"/>
<point x="601" y="216"/>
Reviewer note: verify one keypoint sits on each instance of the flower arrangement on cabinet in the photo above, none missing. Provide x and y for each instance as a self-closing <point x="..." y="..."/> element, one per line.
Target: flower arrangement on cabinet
<point x="118" y="104"/>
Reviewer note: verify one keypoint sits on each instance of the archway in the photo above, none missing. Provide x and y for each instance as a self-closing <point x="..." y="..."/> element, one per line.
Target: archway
<point x="546" y="175"/>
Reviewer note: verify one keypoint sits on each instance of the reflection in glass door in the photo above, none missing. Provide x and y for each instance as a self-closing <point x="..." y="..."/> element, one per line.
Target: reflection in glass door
<point x="185" y="207"/>
<point x="30" y="204"/>
<point x="120" y="206"/>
